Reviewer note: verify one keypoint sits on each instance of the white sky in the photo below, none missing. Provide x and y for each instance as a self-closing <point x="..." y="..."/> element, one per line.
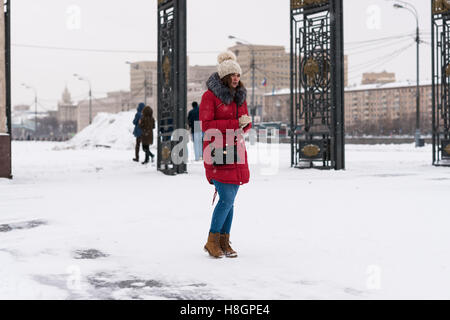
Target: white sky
<point x="131" y="26"/>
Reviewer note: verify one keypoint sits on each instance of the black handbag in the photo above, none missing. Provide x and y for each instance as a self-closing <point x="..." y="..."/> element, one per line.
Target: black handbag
<point x="223" y="155"/>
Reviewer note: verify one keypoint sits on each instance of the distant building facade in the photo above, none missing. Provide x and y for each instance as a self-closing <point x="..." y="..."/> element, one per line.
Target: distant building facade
<point x="67" y="110"/>
<point x="378" y="77"/>
<point x="369" y="109"/>
<point x="67" y="115"/>
<point x="114" y="102"/>
<point x="146" y="72"/>
<point x="144" y="83"/>
<point x="387" y="108"/>
<point x="272" y="72"/>
<point x="197" y="77"/>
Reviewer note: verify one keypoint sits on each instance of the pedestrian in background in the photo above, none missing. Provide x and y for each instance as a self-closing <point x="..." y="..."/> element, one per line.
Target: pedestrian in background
<point x="147" y="124"/>
<point x="197" y="135"/>
<point x="137" y="132"/>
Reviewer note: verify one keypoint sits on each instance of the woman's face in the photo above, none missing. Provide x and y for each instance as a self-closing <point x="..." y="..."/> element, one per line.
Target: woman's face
<point x="235" y="78"/>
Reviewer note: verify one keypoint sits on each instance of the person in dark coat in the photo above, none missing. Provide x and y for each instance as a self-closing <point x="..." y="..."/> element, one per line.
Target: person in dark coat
<point x="137" y="132"/>
<point x="197" y="135"/>
<point x="223" y="110"/>
<point x="147" y="124"/>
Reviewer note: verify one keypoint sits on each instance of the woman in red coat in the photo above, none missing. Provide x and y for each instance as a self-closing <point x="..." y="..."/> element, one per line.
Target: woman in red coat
<point x="224" y="118"/>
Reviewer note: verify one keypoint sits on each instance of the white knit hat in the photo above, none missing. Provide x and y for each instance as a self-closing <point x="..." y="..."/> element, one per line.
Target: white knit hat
<point x="227" y="64"/>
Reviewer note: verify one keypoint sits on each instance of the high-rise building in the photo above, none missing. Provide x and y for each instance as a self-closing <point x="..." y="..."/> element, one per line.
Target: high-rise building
<point x="378" y="77"/>
<point x="271" y="72"/>
<point x="67" y="110"/>
<point x="144" y="84"/>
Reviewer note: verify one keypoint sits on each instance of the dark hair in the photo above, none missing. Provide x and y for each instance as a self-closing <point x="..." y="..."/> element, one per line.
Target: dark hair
<point x="227" y="80"/>
<point x="147" y="117"/>
<point x="195" y="104"/>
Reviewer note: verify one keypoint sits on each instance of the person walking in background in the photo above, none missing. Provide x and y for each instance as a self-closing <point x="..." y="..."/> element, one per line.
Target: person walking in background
<point x="197" y="135"/>
<point x="137" y="132"/>
<point x="147" y="124"/>
<point x="223" y="108"/>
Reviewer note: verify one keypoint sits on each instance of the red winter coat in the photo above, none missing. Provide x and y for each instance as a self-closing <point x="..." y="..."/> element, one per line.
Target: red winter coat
<point x="218" y="112"/>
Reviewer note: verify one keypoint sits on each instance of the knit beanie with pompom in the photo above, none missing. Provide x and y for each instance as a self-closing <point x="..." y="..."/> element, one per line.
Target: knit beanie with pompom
<point x="227" y="64"/>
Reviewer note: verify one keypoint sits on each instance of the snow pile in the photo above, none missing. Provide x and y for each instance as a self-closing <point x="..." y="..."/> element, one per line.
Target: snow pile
<point x="112" y="131"/>
<point x="107" y="130"/>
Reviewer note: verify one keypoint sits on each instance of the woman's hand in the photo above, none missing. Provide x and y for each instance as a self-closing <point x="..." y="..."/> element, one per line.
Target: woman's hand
<point x="244" y="121"/>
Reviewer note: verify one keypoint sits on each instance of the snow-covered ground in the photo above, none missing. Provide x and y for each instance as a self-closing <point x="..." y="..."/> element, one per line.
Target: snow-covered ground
<point x="88" y="223"/>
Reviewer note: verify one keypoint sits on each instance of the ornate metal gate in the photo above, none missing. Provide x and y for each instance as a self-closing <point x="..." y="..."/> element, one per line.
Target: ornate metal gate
<point x="317" y="84"/>
<point x="440" y="34"/>
<point x="172" y="80"/>
<point x="5" y="91"/>
<point x="8" y="62"/>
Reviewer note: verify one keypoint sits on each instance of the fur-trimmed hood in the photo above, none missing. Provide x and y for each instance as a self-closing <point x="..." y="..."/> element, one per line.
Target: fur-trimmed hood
<point x="223" y="93"/>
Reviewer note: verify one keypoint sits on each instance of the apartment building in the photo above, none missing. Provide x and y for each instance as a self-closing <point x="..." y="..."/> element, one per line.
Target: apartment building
<point x="144" y="83"/>
<point x="378" y="77"/>
<point x="377" y="108"/>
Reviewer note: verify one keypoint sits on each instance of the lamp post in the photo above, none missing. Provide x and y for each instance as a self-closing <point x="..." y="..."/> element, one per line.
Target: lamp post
<point x="252" y="67"/>
<point x="412" y="9"/>
<point x="146" y="72"/>
<point x="35" y="105"/>
<point x="90" y="94"/>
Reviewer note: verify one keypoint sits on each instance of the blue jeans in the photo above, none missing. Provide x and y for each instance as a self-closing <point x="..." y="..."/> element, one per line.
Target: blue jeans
<point x="198" y="144"/>
<point x="223" y="212"/>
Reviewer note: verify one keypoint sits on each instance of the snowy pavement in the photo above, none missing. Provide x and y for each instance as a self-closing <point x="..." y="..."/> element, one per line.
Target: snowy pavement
<point x="92" y="224"/>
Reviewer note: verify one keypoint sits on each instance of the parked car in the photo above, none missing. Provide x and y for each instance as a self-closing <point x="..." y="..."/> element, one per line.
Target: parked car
<point x="267" y="128"/>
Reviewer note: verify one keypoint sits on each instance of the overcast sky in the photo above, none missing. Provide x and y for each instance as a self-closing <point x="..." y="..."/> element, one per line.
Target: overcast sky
<point x="114" y="25"/>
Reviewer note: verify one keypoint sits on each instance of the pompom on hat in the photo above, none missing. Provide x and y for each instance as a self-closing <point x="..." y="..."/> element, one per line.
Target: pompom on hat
<point x="228" y="64"/>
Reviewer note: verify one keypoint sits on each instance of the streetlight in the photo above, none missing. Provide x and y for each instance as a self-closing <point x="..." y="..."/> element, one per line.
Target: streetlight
<point x="253" y="67"/>
<point x="412" y="9"/>
<point x="90" y="93"/>
<point x="35" y="105"/>
<point x="146" y="72"/>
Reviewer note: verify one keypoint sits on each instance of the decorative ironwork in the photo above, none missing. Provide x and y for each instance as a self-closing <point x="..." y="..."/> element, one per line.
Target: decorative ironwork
<point x="317" y="85"/>
<point x="311" y="69"/>
<point x="166" y="70"/>
<point x="298" y="4"/>
<point x="446" y="149"/>
<point x="172" y="81"/>
<point x="440" y="6"/>
<point x="316" y="71"/>
<point x="5" y="140"/>
<point x="165" y="153"/>
<point x="440" y="48"/>
<point x="311" y="150"/>
<point x="7" y="59"/>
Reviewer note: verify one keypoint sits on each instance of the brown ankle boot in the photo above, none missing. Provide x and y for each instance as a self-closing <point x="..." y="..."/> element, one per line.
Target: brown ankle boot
<point x="225" y="245"/>
<point x="213" y="245"/>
